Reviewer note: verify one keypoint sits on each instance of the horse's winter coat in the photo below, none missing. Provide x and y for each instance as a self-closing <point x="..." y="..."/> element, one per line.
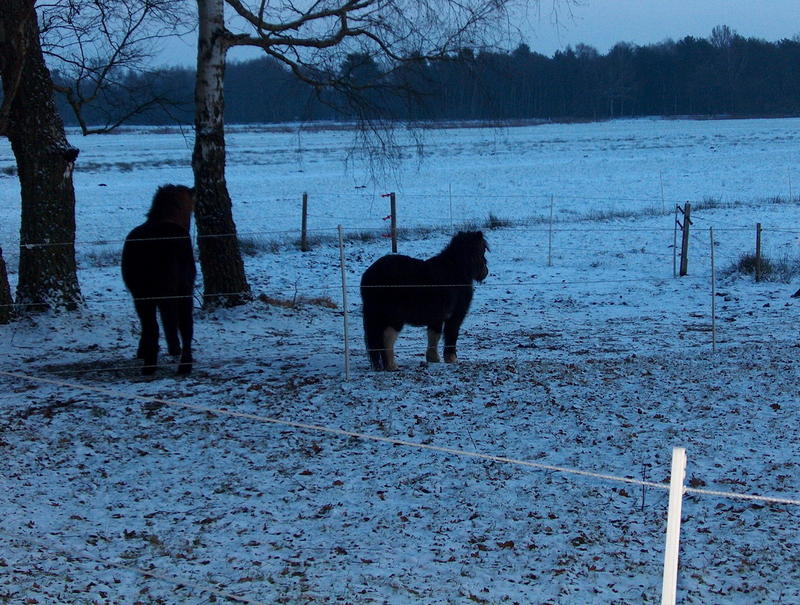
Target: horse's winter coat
<point x="158" y="268"/>
<point x="436" y="293"/>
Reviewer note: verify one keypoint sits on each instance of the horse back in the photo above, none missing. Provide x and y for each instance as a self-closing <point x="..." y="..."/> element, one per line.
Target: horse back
<point x="403" y="289"/>
<point x="157" y="260"/>
<point x="396" y="269"/>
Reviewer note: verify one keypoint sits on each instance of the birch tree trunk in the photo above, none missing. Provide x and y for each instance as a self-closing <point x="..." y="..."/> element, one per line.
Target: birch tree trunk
<point x="47" y="269"/>
<point x="311" y="39"/>
<point x="224" y="279"/>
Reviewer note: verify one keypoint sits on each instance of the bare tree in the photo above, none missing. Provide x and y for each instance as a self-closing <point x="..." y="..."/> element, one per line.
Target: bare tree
<point x="11" y="75"/>
<point x="93" y="42"/>
<point x="95" y="45"/>
<point x="224" y="279"/>
<point x="311" y="38"/>
<point x="47" y="268"/>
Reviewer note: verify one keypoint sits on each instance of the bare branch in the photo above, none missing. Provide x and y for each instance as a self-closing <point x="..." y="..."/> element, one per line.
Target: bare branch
<point x="314" y="39"/>
<point x="94" y="44"/>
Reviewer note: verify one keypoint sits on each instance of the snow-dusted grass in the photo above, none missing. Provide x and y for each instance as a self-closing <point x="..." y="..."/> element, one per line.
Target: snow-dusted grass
<point x="600" y="361"/>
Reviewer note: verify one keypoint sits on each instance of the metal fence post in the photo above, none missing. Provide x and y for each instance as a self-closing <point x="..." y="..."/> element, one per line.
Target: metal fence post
<point x="344" y="306"/>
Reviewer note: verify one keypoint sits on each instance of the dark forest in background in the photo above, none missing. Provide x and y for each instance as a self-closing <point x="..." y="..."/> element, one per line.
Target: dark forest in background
<point x="724" y="74"/>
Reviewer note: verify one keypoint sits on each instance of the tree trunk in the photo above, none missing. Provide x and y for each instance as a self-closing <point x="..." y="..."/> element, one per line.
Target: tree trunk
<point x="224" y="279"/>
<point x="6" y="302"/>
<point x="47" y="269"/>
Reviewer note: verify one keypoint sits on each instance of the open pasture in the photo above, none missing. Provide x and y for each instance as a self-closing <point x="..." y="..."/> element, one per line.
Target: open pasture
<point x="267" y="476"/>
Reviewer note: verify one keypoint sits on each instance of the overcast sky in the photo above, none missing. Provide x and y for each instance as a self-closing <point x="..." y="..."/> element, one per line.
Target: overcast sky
<point x="603" y="23"/>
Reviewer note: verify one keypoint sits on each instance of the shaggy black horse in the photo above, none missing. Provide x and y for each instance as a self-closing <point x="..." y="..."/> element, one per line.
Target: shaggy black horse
<point x="158" y="269"/>
<point x="436" y="293"/>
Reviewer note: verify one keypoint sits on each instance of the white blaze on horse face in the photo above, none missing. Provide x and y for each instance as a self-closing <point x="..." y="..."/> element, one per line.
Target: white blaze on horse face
<point x="389" y="338"/>
<point x="432" y="353"/>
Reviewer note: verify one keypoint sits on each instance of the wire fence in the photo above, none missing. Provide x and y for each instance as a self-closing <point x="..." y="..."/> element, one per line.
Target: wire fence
<point x="728" y="250"/>
<point x="187" y="584"/>
<point x="314" y="428"/>
<point x="651" y="241"/>
<point x="428" y="209"/>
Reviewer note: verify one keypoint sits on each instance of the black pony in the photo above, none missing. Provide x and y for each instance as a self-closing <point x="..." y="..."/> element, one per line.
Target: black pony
<point x="398" y="290"/>
<point x="158" y="269"/>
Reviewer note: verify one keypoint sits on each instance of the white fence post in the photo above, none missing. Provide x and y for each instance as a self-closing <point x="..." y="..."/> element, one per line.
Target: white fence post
<point x="344" y="306"/>
<point x="675" y="243"/>
<point x="550" y="236"/>
<point x="677" y="475"/>
<point x="713" y="294"/>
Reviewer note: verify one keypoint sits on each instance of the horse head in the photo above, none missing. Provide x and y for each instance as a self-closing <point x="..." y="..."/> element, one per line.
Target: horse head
<point x="173" y="204"/>
<point x="473" y="247"/>
<point x="483" y="265"/>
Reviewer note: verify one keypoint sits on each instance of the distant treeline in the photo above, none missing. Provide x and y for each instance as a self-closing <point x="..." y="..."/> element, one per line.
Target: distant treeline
<point x="725" y="74"/>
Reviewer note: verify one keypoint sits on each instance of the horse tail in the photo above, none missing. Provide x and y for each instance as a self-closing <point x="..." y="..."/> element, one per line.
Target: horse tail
<point x="373" y="337"/>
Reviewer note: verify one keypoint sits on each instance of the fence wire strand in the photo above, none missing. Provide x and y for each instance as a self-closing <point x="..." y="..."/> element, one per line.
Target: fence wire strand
<point x="390" y="440"/>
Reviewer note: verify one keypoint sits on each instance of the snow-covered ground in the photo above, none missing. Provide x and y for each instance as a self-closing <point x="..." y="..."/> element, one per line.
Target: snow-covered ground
<point x="456" y="174"/>
<point x="268" y="475"/>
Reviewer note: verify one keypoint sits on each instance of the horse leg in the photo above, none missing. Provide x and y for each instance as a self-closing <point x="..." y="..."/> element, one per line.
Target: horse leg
<point x="186" y="326"/>
<point x="451" y="328"/>
<point x="169" y="310"/>
<point x="432" y="352"/>
<point x="389" y="338"/>
<point x="148" y="340"/>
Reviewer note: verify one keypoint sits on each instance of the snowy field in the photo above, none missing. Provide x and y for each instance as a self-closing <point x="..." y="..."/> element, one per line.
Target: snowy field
<point x="454" y="175"/>
<point x="531" y="472"/>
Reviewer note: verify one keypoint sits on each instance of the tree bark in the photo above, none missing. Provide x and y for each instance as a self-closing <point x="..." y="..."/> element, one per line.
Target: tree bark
<point x="47" y="269"/>
<point x="224" y="279"/>
<point x="6" y="302"/>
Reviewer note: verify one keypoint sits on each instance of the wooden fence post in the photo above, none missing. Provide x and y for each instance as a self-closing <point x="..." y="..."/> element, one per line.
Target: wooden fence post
<point x="393" y="217"/>
<point x="687" y="221"/>
<point x="393" y="204"/>
<point x="669" y="588"/>
<point x="450" y="191"/>
<point x="758" y="252"/>
<point x="304" y="227"/>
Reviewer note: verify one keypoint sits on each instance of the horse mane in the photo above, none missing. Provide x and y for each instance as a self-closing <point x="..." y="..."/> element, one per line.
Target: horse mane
<point x="167" y="202"/>
<point x="463" y="257"/>
<point x="466" y="242"/>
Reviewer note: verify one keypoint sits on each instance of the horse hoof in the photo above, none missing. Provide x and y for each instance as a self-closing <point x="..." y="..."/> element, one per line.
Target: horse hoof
<point x="148" y="370"/>
<point x="184" y="369"/>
